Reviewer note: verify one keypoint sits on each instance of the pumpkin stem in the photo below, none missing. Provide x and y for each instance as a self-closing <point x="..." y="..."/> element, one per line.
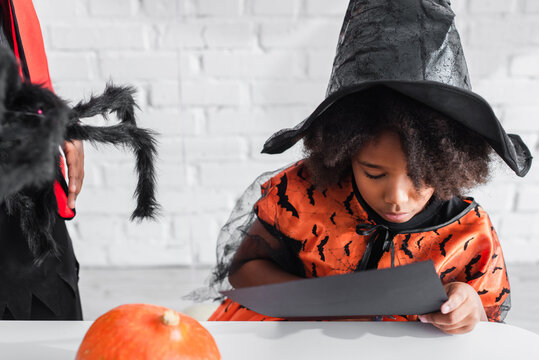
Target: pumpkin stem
<point x="170" y="318"/>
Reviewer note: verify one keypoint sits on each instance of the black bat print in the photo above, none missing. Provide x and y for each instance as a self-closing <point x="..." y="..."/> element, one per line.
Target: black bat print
<point x="283" y="198"/>
<point x="445" y="272"/>
<point x="419" y="243"/>
<point x="476" y="209"/>
<point x="404" y="246"/>
<point x="347" y="248"/>
<point x="321" y="248"/>
<point x="504" y="291"/>
<point x="347" y="204"/>
<point x="310" y="194"/>
<point x="468" y="269"/>
<point x="443" y="242"/>
<point x="466" y="244"/>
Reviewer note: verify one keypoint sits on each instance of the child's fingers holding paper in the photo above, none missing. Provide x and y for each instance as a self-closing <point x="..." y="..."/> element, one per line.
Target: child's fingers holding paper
<point x="460" y="313"/>
<point x="457" y="295"/>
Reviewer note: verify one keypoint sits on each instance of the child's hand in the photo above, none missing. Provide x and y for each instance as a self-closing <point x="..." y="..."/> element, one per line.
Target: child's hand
<point x="460" y="313"/>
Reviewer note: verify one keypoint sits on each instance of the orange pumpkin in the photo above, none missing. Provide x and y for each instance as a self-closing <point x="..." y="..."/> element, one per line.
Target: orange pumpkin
<point x="142" y="331"/>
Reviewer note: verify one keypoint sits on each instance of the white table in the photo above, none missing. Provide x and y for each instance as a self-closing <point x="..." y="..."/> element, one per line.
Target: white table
<point x="297" y="340"/>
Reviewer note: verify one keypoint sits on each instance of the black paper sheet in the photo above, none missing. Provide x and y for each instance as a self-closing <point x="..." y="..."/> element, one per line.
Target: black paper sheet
<point x="404" y="290"/>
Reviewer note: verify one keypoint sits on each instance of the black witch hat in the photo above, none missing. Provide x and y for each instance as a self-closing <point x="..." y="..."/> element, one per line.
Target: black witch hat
<point x="413" y="47"/>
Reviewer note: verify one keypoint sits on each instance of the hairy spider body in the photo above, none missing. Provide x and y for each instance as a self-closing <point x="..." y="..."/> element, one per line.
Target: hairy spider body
<point x="34" y="123"/>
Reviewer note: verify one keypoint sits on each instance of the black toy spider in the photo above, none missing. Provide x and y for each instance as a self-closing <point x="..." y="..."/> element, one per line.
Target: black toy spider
<point x="34" y="122"/>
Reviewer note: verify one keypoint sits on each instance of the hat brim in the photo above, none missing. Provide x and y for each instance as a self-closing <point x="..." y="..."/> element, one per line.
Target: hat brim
<point x="463" y="106"/>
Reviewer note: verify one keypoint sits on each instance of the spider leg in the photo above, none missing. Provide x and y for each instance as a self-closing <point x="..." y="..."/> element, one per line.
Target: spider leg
<point x="143" y="145"/>
<point x="115" y="99"/>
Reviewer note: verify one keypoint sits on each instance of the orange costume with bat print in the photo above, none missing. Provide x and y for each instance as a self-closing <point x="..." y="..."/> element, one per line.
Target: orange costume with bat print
<point x="328" y="231"/>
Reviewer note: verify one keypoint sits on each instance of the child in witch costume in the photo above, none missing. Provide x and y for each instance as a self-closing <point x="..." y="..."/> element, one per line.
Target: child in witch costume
<point x="390" y="151"/>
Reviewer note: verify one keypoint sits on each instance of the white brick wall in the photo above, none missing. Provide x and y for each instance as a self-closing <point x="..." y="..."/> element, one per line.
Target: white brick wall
<point x="217" y="77"/>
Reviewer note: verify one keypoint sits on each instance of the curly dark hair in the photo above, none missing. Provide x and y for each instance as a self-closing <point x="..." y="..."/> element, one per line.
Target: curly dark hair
<point x="440" y="152"/>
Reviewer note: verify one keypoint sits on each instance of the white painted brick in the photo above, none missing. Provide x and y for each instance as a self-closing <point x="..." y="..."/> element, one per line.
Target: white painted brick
<point x="102" y="154"/>
<point x="160" y="9"/>
<point x="521" y="119"/>
<point x="223" y="8"/>
<point x="535" y="35"/>
<point x="528" y="199"/>
<point x="69" y="66"/>
<point x="93" y="176"/>
<point x="229" y="35"/>
<point x="99" y="36"/>
<point x="195" y="200"/>
<point x="181" y="230"/>
<point x="204" y="245"/>
<point x="172" y="122"/>
<point x="211" y="148"/>
<point x="519" y="225"/>
<point x="491" y="6"/>
<point x="98" y="229"/>
<point x="171" y="148"/>
<point x="175" y="175"/>
<point x="106" y="200"/>
<point x="496" y="219"/>
<point x="136" y="66"/>
<point x="531" y="6"/>
<point x="203" y="231"/>
<point x="150" y="232"/>
<point x="144" y="255"/>
<point x="89" y="254"/>
<point x="165" y="93"/>
<point x="212" y="93"/>
<point x="289" y="93"/>
<point x="326" y="8"/>
<point x="487" y="62"/>
<point x="525" y="65"/>
<point x="120" y="175"/>
<point x="511" y="91"/>
<point x="77" y="90"/>
<point x="460" y="7"/>
<point x="312" y="34"/>
<point x="235" y="176"/>
<point x="245" y="65"/>
<point x="187" y="8"/>
<point x="495" y="197"/>
<point x="320" y="64"/>
<point x="190" y="66"/>
<point x="518" y="249"/>
<point x="63" y="10"/>
<point x="498" y="33"/>
<point x="275" y="7"/>
<point x="256" y="122"/>
<point x="116" y="8"/>
<point x="183" y="35"/>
